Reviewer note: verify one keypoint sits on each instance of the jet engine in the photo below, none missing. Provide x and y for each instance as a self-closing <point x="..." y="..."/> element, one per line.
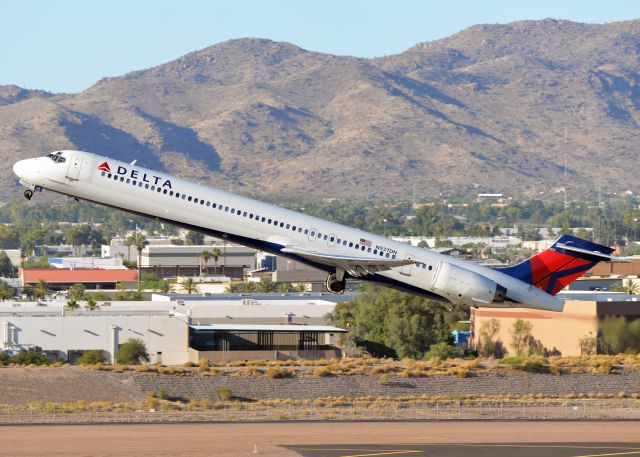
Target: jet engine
<point x="462" y="286"/>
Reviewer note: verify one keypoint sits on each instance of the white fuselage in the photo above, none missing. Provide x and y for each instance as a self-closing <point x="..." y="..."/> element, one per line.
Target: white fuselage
<point x="251" y="222"/>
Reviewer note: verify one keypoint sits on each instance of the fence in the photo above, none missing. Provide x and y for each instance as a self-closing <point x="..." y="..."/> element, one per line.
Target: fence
<point x="342" y="410"/>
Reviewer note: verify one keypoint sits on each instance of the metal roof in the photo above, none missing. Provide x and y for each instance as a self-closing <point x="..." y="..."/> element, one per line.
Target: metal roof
<point x="269" y="328"/>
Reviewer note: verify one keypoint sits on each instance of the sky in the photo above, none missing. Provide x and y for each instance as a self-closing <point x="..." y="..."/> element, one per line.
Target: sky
<point x="68" y="45"/>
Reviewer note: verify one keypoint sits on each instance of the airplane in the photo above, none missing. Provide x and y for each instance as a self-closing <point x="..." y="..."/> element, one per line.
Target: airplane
<point x="343" y="252"/>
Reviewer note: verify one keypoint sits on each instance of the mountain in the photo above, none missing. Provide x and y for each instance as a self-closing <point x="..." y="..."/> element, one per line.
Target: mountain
<point x="494" y="108"/>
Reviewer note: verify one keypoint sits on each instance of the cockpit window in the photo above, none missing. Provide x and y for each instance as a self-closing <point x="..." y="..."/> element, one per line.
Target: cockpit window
<point x="56" y="157"/>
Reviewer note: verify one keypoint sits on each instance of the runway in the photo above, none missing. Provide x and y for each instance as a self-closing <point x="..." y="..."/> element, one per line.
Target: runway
<point x="476" y="450"/>
<point x="326" y="439"/>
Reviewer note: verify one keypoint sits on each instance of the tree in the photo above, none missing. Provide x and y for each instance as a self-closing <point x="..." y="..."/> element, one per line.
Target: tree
<point x="232" y="288"/>
<point x="41" y="289"/>
<point x="83" y="235"/>
<point x="266" y="286"/>
<point x="301" y="287"/>
<point x="77" y="292"/>
<point x="139" y="241"/>
<point x="72" y="305"/>
<point x="521" y="337"/>
<point x="286" y="287"/>
<point x="165" y="286"/>
<point x="205" y="256"/>
<point x="629" y="286"/>
<point x="215" y="254"/>
<point x="487" y="346"/>
<point x="190" y="286"/>
<point x="91" y="304"/>
<point x="6" y="291"/>
<point x="6" y="267"/>
<point x="91" y="357"/>
<point x="132" y="352"/>
<point x="194" y="238"/>
<point x="250" y="286"/>
<point x="385" y="322"/>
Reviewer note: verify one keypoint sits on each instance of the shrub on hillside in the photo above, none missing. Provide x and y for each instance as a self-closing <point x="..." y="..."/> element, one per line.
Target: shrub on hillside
<point x="224" y="393"/>
<point x="91" y="357"/>
<point x="278" y="372"/>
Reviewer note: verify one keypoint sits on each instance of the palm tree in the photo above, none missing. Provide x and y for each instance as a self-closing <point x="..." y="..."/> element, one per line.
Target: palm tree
<point x="216" y="253"/>
<point x="190" y="286"/>
<point x="41" y="289"/>
<point x="91" y="304"/>
<point x="165" y="286"/>
<point x="205" y="256"/>
<point x="6" y="291"/>
<point x="232" y="288"/>
<point x="139" y="241"/>
<point x="286" y="287"/>
<point x="266" y="285"/>
<point x="250" y="286"/>
<point x="76" y="292"/>
<point x="631" y="287"/>
<point x="301" y="287"/>
<point x="72" y="305"/>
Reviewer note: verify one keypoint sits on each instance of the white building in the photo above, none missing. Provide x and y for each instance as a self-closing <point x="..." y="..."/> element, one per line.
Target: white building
<point x="166" y="326"/>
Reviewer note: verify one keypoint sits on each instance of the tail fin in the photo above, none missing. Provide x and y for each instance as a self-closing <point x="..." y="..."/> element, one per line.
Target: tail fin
<point x="565" y="261"/>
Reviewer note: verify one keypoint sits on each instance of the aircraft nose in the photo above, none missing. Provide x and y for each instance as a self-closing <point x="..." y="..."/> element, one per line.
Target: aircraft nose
<point x="21" y="168"/>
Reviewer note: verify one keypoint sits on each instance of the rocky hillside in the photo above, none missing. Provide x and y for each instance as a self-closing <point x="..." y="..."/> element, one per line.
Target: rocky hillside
<point x="484" y="110"/>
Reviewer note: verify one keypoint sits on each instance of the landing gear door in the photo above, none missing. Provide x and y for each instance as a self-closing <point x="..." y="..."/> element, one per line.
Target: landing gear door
<point x="406" y="269"/>
<point x="75" y="164"/>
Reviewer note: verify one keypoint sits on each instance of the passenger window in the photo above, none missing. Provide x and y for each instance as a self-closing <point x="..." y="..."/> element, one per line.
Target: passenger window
<point x="381" y="254"/>
<point x="165" y="191"/>
<point x="146" y="186"/>
<point x="109" y="176"/>
<point x="250" y="215"/>
<point x="159" y="189"/>
<point x="369" y="250"/>
<point x="288" y="226"/>
<point x="190" y="198"/>
<point x="263" y="219"/>
<point x="344" y="242"/>
<point x="357" y="246"/>
<point x="153" y="188"/>
<point x="325" y="237"/>
<point x="387" y="255"/>
<point x="281" y="224"/>
<point x="115" y="177"/>
<point x="213" y="205"/>
<point x="331" y="239"/>
<point x="268" y="221"/>
<point x="375" y="251"/>
<point x="128" y="180"/>
<point x="171" y="193"/>
<point x="244" y="214"/>
<point x="306" y="232"/>
<point x="351" y="244"/>
<point x="319" y="235"/>
<point x="430" y="268"/>
<point x="226" y="209"/>
<point x="299" y="229"/>
<point x="201" y="202"/>
<point x="362" y="248"/>
<point x="134" y="183"/>
<point x="313" y="233"/>
<point x="121" y="178"/>
<point x="233" y="210"/>
<point x="184" y="196"/>
<point x="208" y="203"/>
<point x="140" y="184"/>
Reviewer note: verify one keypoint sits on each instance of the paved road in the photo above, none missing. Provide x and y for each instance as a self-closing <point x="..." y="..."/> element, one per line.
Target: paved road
<point x="475" y="450"/>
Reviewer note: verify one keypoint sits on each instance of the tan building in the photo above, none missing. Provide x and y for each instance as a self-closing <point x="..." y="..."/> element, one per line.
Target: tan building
<point x="557" y="333"/>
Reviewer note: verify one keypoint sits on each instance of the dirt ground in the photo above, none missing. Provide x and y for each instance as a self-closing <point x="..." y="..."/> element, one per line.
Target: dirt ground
<point x="231" y="440"/>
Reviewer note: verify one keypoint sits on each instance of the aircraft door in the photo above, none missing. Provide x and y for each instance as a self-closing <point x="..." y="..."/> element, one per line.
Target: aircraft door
<point x="406" y="269"/>
<point x="75" y="164"/>
<point x="332" y="240"/>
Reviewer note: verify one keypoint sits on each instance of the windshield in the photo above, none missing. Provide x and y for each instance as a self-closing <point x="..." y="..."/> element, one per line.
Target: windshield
<point x="56" y="157"/>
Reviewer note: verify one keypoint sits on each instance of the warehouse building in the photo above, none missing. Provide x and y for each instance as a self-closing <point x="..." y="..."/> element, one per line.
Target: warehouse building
<point x="232" y="327"/>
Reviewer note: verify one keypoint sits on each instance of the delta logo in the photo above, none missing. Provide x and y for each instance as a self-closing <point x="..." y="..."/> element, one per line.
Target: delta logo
<point x="135" y="174"/>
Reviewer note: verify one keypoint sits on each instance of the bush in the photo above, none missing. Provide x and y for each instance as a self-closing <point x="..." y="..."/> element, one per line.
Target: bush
<point x="91" y="357"/>
<point x="132" y="352"/>
<point x="278" y="372"/>
<point x="162" y="394"/>
<point x="30" y="357"/>
<point x="441" y="351"/>
<point x="224" y="393"/>
<point x="4" y="358"/>
<point x="322" y="372"/>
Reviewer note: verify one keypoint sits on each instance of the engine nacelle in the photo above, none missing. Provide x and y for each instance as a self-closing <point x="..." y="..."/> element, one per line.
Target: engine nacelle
<point x="463" y="286"/>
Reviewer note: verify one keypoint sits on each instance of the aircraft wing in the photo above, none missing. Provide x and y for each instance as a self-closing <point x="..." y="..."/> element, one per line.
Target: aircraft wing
<point x="355" y="266"/>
